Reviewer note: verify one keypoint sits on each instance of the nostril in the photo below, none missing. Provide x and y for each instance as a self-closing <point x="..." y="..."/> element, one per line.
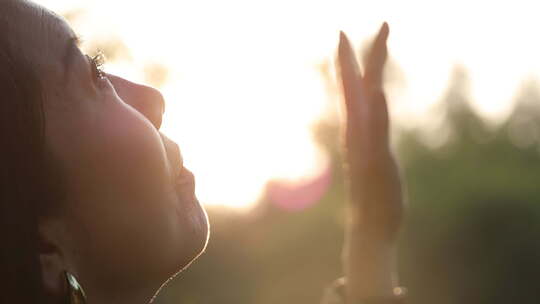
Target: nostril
<point x="146" y="100"/>
<point x="150" y="103"/>
<point x="158" y="106"/>
<point x="157" y="99"/>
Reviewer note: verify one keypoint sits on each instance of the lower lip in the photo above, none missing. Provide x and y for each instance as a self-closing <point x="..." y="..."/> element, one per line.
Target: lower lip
<point x="185" y="185"/>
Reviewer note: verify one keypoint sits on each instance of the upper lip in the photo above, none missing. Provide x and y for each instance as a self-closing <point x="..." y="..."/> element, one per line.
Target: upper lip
<point x="177" y="165"/>
<point x="173" y="154"/>
<point x="182" y="177"/>
<point x="185" y="184"/>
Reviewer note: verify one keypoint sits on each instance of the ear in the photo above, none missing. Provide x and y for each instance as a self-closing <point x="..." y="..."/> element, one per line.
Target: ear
<point x="52" y="257"/>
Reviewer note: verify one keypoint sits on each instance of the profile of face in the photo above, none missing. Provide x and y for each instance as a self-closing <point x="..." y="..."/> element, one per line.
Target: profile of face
<point x="129" y="218"/>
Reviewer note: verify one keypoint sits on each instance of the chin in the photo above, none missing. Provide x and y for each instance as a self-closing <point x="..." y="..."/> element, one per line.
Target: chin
<point x="202" y="232"/>
<point x="199" y="233"/>
<point x="193" y="247"/>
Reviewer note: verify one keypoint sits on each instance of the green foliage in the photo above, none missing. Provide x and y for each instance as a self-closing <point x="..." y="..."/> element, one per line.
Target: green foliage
<point x="474" y="218"/>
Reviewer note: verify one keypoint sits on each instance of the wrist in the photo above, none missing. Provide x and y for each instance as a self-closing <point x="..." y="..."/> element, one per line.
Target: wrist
<point x="370" y="267"/>
<point x="336" y="294"/>
<point x="371" y="281"/>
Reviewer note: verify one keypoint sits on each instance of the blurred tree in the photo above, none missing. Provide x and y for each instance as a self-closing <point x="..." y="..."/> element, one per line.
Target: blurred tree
<point x="156" y="74"/>
<point x="474" y="214"/>
<point x="112" y="46"/>
<point x="114" y="49"/>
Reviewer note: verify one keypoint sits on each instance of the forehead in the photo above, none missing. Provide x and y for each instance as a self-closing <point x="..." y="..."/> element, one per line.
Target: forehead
<point x="36" y="33"/>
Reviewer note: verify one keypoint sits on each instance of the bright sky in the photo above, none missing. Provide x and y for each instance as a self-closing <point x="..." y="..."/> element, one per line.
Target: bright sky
<point x="244" y="88"/>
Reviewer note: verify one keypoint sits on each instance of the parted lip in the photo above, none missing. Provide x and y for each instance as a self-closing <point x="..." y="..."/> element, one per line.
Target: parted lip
<point x="183" y="179"/>
<point x="185" y="185"/>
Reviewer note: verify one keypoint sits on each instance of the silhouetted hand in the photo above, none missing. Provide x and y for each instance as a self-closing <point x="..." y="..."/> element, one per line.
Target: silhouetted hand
<point x="376" y="204"/>
<point x="373" y="175"/>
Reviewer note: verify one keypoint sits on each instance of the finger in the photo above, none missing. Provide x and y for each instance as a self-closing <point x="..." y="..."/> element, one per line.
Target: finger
<point x="349" y="74"/>
<point x="376" y="58"/>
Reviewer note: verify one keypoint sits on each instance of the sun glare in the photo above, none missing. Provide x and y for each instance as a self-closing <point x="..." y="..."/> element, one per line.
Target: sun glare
<point x="244" y="89"/>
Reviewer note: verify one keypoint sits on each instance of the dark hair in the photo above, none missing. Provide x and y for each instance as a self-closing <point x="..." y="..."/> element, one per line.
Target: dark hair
<point x="28" y="180"/>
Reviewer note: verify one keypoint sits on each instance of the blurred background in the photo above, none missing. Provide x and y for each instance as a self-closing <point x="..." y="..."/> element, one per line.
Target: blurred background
<point x="252" y="101"/>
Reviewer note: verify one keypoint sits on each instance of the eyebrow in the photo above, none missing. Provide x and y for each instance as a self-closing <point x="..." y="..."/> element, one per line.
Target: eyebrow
<point x="70" y="51"/>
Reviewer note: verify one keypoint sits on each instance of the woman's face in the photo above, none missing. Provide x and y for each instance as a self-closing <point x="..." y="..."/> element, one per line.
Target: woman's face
<point x="131" y="218"/>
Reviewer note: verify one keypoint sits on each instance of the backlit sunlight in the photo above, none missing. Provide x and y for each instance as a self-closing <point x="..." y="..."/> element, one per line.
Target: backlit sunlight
<point x="244" y="88"/>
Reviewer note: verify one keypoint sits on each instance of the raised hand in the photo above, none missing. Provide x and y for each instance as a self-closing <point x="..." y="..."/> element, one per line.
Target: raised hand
<point x="376" y="204"/>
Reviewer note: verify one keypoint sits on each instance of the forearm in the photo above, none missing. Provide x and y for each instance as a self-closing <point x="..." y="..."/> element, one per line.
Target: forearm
<point x="370" y="265"/>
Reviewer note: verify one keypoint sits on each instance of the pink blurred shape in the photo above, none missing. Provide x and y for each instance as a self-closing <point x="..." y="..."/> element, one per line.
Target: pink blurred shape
<point x="301" y="194"/>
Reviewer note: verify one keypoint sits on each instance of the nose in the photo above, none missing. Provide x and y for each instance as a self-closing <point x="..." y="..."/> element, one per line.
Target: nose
<point x="147" y="100"/>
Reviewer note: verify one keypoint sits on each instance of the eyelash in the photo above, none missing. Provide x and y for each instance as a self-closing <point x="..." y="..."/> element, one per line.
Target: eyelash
<point x="97" y="65"/>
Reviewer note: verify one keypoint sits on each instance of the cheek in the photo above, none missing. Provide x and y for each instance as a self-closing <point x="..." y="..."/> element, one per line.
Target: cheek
<point x="123" y="202"/>
<point x="127" y="227"/>
<point x="123" y="153"/>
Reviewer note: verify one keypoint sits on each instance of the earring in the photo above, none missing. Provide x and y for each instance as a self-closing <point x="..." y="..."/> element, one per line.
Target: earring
<point x="75" y="292"/>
